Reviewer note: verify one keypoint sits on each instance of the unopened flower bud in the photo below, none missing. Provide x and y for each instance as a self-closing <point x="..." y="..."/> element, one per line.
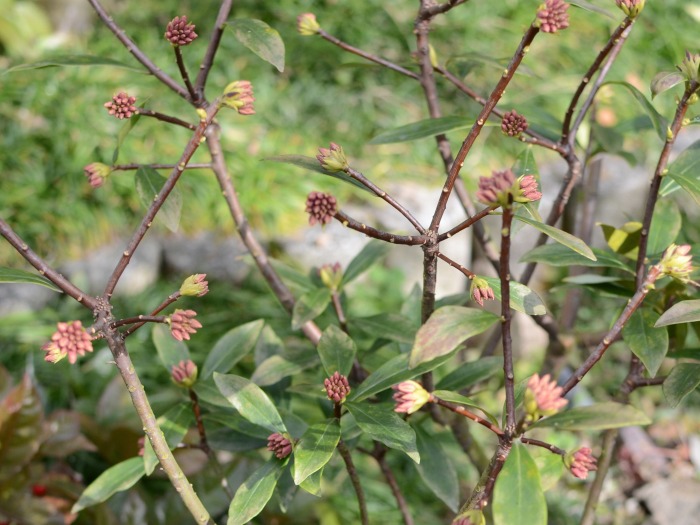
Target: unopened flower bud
<point x="321" y="207"/>
<point x="543" y="397"/>
<point x="184" y="373"/>
<point x="179" y="32"/>
<point x="677" y="262"/>
<point x="527" y="189"/>
<point x="195" y="285"/>
<point x="337" y="387"/>
<point x="552" y="16"/>
<point x="513" y="124"/>
<point x="410" y="396"/>
<point x="631" y="8"/>
<point x="279" y="445"/>
<point x="581" y="462"/>
<point x="121" y="106"/>
<point x="183" y="323"/>
<point x="690" y="67"/>
<point x="481" y="290"/>
<point x="307" y="24"/>
<point x="333" y="159"/>
<point x="238" y="95"/>
<point x="331" y="275"/>
<point x="97" y="173"/>
<point x="69" y="340"/>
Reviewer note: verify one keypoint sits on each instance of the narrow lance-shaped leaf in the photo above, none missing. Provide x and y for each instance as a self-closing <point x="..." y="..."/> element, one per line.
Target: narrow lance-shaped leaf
<point x="121" y="476"/>
<point x="261" y="39"/>
<point x="149" y="183"/>
<point x="11" y="275"/>
<point x="447" y="328"/>
<point x="518" y="496"/>
<point x="659" y="122"/>
<point x="250" y="401"/>
<point x="566" y="239"/>
<point x="682" y="312"/>
<point x="683" y="379"/>
<point x="310" y="306"/>
<point x="558" y="255"/>
<point x="370" y="254"/>
<point x="382" y="424"/>
<point x="233" y="346"/>
<point x="468" y="374"/>
<point x="74" y="60"/>
<point x="315" y="449"/>
<point x="600" y="416"/>
<point x="422" y="129"/>
<point x="252" y="496"/>
<point x="522" y="298"/>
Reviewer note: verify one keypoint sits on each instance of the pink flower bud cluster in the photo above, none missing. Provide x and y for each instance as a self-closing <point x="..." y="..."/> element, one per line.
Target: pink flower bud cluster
<point x="184" y="373"/>
<point x="481" y="291"/>
<point x="494" y="190"/>
<point x="121" y="106"/>
<point x="179" y="32"/>
<point x="543" y="397"/>
<point x="183" y="323"/>
<point x="528" y="189"/>
<point x="582" y="462"/>
<point x="552" y="16"/>
<point x="337" y="387"/>
<point x="321" y="207"/>
<point x="69" y="340"/>
<point x="279" y="445"/>
<point x="513" y="124"/>
<point x="238" y="95"/>
<point x="195" y="285"/>
<point x="332" y="159"/>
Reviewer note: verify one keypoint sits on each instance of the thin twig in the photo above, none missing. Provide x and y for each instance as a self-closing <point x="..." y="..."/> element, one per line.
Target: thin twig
<point x="162" y="306"/>
<point x="506" y="316"/>
<point x="355" y="480"/>
<point x="166" y="118"/>
<point x="183" y="72"/>
<point x="208" y="60"/>
<point x="543" y="444"/>
<point x="470" y="275"/>
<point x="134" y="166"/>
<point x="349" y="222"/>
<point x="459" y="409"/>
<point x="464" y="224"/>
<point x="140" y="319"/>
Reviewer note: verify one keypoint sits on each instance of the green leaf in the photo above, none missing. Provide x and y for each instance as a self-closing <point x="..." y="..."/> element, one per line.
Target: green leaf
<point x="116" y="478"/>
<point x="390" y="373"/>
<point x="590" y="278"/>
<point x="315" y="449"/>
<point x="459" y="399"/>
<point x="446" y="329"/>
<point x="599" y="416"/>
<point x="252" y="496"/>
<point x="370" y="254"/>
<point x="522" y="298"/>
<point x="583" y="4"/>
<point x="382" y="424"/>
<point x="566" y="239"/>
<point x="170" y="350"/>
<point x="623" y="240"/>
<point x="518" y="496"/>
<point x="439" y="473"/>
<point x="337" y="351"/>
<point x="659" y="122"/>
<point x="394" y="327"/>
<point x="682" y="312"/>
<point x="73" y="60"/>
<point x="684" y="173"/>
<point x="312" y="484"/>
<point x="664" y="81"/>
<point x="683" y="379"/>
<point x="468" y="374"/>
<point x="250" y="401"/>
<point x="123" y="132"/>
<point x="174" y="424"/>
<point x="312" y="164"/>
<point x="558" y="255"/>
<point x="525" y="164"/>
<point x="261" y="39"/>
<point x="689" y="183"/>
<point x="275" y="368"/>
<point x="310" y="306"/>
<point x="233" y="346"/>
<point x="665" y="226"/>
<point x="421" y="129"/>
<point x="648" y="343"/>
<point x="149" y="183"/>
<point x="10" y="275"/>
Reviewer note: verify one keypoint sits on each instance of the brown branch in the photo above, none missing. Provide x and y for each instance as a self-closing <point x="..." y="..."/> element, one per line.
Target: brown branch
<point x="355" y="480"/>
<point x="208" y="60"/>
<point x="162" y="306"/>
<point x="468" y="273"/>
<point x="351" y="223"/>
<point x="183" y="72"/>
<point x="506" y="317"/>
<point x="134" y="166"/>
<point x="459" y="409"/>
<point x="548" y="446"/>
<point x="166" y="118"/>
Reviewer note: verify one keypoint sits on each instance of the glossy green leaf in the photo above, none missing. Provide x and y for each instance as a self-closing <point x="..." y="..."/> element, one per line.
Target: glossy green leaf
<point x="21" y="426"/>
<point x="233" y="346"/>
<point x="394" y="327"/>
<point x="174" y="424"/>
<point x="438" y="472"/>
<point x="315" y="449"/>
<point x="74" y="60"/>
<point x="252" y="496"/>
<point x="664" y="81"/>
<point x="518" y="496"/>
<point x="665" y="226"/>
<point x="623" y="240"/>
<point x="261" y="39"/>
<point x="689" y="183"/>
<point x="583" y="4"/>
<point x="550" y="466"/>
<point x="310" y="306"/>
<point x="558" y="255"/>
<point x="525" y="164"/>
<point x="11" y="275"/>
<point x="390" y="373"/>
<point x="337" y="351"/>
<point x="149" y="183"/>
<point x="471" y="373"/>
<point x="648" y="343"/>
<point x="590" y="278"/>
<point x="312" y="484"/>
<point x="683" y="379"/>
<point x="522" y="298"/>
<point x="250" y="401"/>
<point x="170" y="350"/>
<point x="277" y="367"/>
<point x="446" y="329"/>
<point x="599" y="416"/>
<point x="657" y="120"/>
<point x="682" y="312"/>
<point x="454" y="397"/>
<point x="566" y="239"/>
<point x="382" y="424"/>
<point x="684" y="173"/>
<point x="312" y="164"/>
<point x="370" y="254"/>
<point x="121" y="476"/>
<point x="422" y="129"/>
